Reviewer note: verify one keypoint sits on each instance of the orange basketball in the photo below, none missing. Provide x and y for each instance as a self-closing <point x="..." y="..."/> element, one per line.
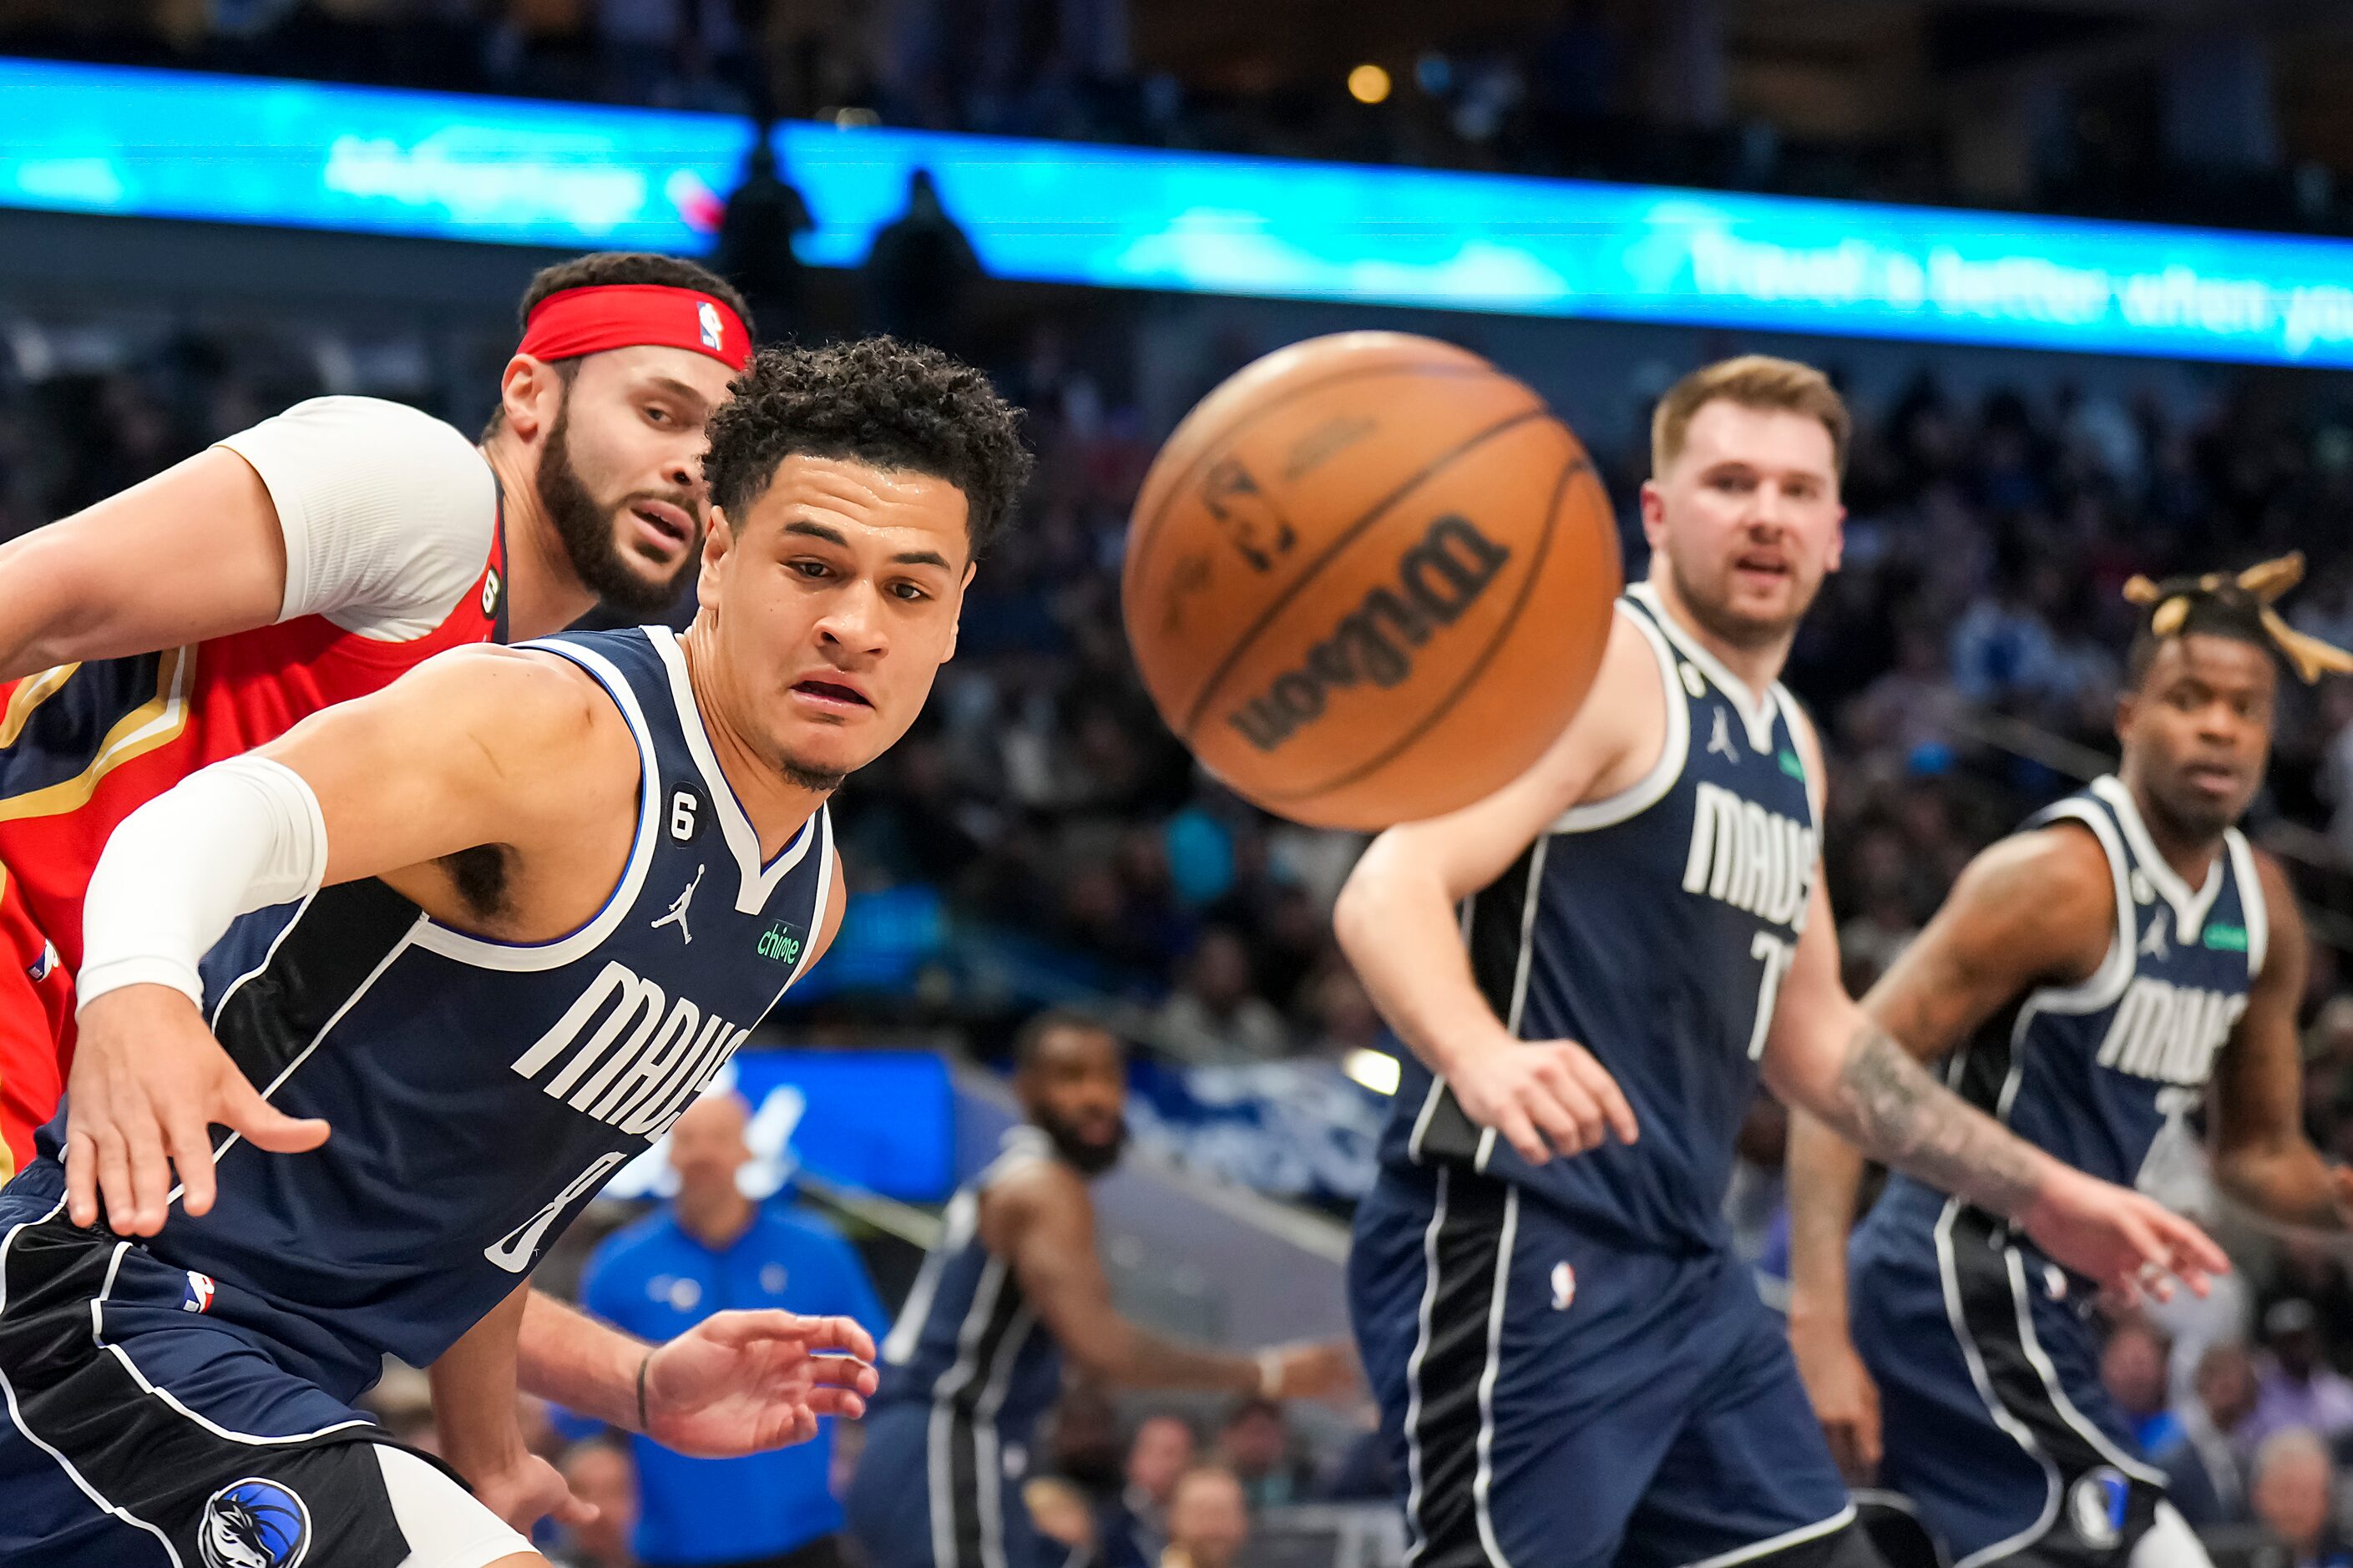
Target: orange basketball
<point x="1369" y="579"/>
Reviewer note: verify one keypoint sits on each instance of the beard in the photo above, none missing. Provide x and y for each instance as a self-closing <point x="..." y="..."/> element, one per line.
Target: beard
<point x="1090" y="1159"/>
<point x="1712" y="610"/>
<point x="802" y="775"/>
<point x="587" y="529"/>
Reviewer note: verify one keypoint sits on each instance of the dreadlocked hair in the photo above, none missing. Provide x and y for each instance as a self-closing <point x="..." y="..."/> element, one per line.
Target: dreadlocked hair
<point x="2218" y="604"/>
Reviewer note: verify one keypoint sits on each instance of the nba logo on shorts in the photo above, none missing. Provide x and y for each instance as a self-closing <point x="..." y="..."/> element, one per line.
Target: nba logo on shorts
<point x="254" y="1523"/>
<point x="199" y="1298"/>
<point x="2096" y="1505"/>
<point x="708" y="315"/>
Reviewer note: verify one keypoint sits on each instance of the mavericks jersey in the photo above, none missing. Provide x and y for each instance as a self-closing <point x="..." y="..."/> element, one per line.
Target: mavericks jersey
<point x="970" y="1345"/>
<point x="1652" y="928"/>
<point x="481" y="1092"/>
<point x="2093" y="1073"/>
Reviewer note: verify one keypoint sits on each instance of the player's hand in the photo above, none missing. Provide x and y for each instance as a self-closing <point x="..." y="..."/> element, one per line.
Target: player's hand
<point x="2124" y="1242"/>
<point x="527" y="1491"/>
<point x="149" y="1082"/>
<point x="1845" y="1400"/>
<point x="1326" y="1370"/>
<point x="742" y="1383"/>
<point x="1543" y="1096"/>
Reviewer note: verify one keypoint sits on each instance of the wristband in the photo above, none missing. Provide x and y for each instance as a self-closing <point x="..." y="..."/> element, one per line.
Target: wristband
<point x="644" y="1366"/>
<point x="1270" y="1373"/>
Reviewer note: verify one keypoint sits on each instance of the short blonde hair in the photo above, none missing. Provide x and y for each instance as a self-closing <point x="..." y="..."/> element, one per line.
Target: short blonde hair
<point x="1753" y="381"/>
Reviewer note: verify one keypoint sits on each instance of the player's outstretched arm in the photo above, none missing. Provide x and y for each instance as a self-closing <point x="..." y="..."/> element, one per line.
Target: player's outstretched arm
<point x="2261" y="1157"/>
<point x="1397" y="920"/>
<point x="1825" y="1055"/>
<point x="737" y="1382"/>
<point x="2033" y="909"/>
<point x="1041" y="1220"/>
<point x="194" y="552"/>
<point x="479" y="746"/>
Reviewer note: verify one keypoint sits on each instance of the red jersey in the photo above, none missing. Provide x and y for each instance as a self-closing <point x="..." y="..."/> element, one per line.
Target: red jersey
<point x="84" y="745"/>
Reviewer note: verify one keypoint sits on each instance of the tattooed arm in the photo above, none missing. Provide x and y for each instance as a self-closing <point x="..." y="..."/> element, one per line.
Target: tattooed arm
<point x="1825" y="1056"/>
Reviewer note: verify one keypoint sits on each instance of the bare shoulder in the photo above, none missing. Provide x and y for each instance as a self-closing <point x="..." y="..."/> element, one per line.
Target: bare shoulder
<point x="1621" y="726"/>
<point x="2050" y="884"/>
<point x="1028" y="1191"/>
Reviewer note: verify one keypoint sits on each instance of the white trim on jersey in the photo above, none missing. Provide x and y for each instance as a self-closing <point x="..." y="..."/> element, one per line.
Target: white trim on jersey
<point x="1797" y="1537"/>
<point x="2190" y="909"/>
<point x="1483" y="1483"/>
<point x="1651" y="787"/>
<point x="16" y="1415"/>
<point x="1519" y="975"/>
<point x="1756" y="710"/>
<point x="1420" y="1542"/>
<point x="1948" y="1274"/>
<point x="2257" y="912"/>
<point x="2055" y="1390"/>
<point x="481" y="953"/>
<point x="97" y="1338"/>
<point x="754" y="883"/>
<point x="1802" y="726"/>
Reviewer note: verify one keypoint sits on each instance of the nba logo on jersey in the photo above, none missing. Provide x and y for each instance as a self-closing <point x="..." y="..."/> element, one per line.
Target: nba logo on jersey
<point x="707" y="314"/>
<point x="199" y="1298"/>
<point x="254" y="1523"/>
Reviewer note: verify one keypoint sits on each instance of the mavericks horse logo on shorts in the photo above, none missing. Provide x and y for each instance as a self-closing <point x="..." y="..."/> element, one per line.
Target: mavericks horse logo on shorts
<point x="2096" y="1503"/>
<point x="254" y="1523"/>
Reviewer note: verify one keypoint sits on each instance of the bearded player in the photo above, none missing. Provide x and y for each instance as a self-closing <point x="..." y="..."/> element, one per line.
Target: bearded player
<point x="2095" y="973"/>
<point x="447" y="922"/>
<point x="313" y="559"/>
<point x="1592" y="968"/>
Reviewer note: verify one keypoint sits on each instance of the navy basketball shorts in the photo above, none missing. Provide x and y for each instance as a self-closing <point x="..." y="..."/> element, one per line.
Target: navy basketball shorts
<point x="1561" y="1403"/>
<point x="143" y="1432"/>
<point x="1995" y="1423"/>
<point x="936" y="1488"/>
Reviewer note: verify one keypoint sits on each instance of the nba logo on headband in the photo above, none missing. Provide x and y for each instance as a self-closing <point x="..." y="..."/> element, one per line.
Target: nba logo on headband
<point x="707" y="314"/>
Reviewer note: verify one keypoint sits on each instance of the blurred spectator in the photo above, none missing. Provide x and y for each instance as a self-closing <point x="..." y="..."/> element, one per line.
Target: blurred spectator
<point x="1060" y="1510"/>
<point x="2206" y="1467"/>
<point x="708" y="1250"/>
<point x="763" y="216"/>
<point x="1208" y="1519"/>
<point x="921" y="270"/>
<point x="2296" y="1389"/>
<point x="599" y="1473"/>
<point x="2132" y="1368"/>
<point x="1136" y="1528"/>
<point x="2293" y="1481"/>
<point x="1213" y="1013"/>
<point x="1082" y="1442"/>
<point x="1254" y="1443"/>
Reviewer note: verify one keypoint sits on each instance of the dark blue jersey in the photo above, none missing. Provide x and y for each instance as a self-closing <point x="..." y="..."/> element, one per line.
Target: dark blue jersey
<point x="2092" y="1073"/>
<point x="968" y="1342"/>
<point x="481" y="1092"/>
<point x="1653" y="928"/>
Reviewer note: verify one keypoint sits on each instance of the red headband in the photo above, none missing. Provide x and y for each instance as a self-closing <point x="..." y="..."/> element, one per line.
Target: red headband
<point x="590" y="320"/>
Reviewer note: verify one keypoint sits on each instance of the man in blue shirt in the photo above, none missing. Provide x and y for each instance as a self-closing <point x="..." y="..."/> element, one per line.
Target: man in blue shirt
<point x="708" y="1250"/>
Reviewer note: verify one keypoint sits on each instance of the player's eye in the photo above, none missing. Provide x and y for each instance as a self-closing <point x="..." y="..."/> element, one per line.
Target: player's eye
<point x="908" y="592"/>
<point x="659" y="416"/>
<point x="814" y="569"/>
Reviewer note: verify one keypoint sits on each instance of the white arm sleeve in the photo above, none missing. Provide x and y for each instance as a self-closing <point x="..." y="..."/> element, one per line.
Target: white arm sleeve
<point x="236" y="837"/>
<point x="387" y="512"/>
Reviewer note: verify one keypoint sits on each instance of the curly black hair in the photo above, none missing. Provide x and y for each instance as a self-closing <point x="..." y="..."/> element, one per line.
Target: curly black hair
<point x="880" y="401"/>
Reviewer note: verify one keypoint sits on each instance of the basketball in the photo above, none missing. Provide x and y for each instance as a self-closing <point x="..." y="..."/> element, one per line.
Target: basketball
<point x="1369" y="579"/>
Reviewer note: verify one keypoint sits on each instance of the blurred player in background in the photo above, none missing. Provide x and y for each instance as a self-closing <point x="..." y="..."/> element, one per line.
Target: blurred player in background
<point x="1014" y="1286"/>
<point x="454" y="923"/>
<point x="1580" y="1371"/>
<point x="2093" y="970"/>
<point x="313" y="559"/>
<point x="710" y="1248"/>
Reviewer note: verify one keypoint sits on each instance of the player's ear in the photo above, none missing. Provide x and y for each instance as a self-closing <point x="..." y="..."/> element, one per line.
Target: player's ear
<point x="2127" y="706"/>
<point x="718" y="544"/>
<point x="1838" y="541"/>
<point x="1654" y="512"/>
<point x="955" y="623"/>
<point x="530" y="392"/>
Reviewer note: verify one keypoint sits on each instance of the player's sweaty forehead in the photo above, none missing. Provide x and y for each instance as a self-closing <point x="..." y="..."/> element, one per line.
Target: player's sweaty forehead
<point x="1781" y="442"/>
<point x="893" y="513"/>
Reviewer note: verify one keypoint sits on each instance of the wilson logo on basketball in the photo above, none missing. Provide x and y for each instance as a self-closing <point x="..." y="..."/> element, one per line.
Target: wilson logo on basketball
<point x="1438" y="579"/>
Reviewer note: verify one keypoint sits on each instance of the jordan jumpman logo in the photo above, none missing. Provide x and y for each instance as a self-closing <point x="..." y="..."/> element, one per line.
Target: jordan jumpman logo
<point x="677" y="915"/>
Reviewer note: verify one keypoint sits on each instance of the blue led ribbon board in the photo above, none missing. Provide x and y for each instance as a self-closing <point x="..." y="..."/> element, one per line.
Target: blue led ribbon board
<point x="167" y="144"/>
